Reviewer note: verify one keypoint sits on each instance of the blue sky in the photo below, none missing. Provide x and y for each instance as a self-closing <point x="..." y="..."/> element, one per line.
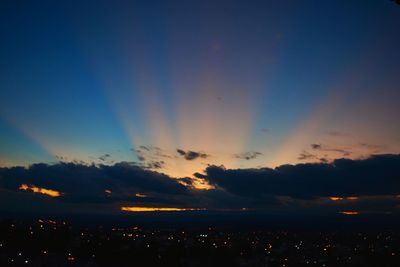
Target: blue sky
<point x="82" y="80"/>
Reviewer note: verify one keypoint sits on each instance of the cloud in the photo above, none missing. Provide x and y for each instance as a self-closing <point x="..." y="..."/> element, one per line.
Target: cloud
<point x="181" y="152"/>
<point x="191" y="155"/>
<point x="285" y="189"/>
<point x="150" y="157"/>
<point x="155" y="164"/>
<point x="139" y="153"/>
<point x="187" y="181"/>
<point x="141" y="158"/>
<point x="316" y="146"/>
<point x="324" y="160"/>
<point x="304" y="155"/>
<point x="87" y="183"/>
<point x="144" y="148"/>
<point x="330" y="149"/>
<point x="248" y="155"/>
<point x="199" y="175"/>
<point x="372" y="147"/>
<point x="377" y="175"/>
<point x="106" y="159"/>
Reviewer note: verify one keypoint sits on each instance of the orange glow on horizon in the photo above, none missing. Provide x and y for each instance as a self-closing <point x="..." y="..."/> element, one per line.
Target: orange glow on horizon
<point x="349" y="212"/>
<point x="155" y="209"/>
<point x="199" y="184"/>
<point x="342" y="198"/>
<point x="44" y="191"/>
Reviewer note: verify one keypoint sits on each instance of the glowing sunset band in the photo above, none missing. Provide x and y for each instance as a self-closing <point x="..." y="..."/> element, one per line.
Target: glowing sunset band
<point x="342" y="198"/>
<point x="44" y="191"/>
<point x="349" y="212"/>
<point x="153" y="209"/>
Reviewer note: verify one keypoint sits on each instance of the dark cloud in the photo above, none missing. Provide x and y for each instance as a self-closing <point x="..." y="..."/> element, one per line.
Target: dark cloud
<point x="377" y="175"/>
<point x="141" y="158"/>
<point x="330" y="149"/>
<point x="199" y="175"/>
<point x="140" y="154"/>
<point x="150" y="157"/>
<point x="315" y="146"/>
<point x="186" y="181"/>
<point x="61" y="158"/>
<point x="165" y="156"/>
<point x="324" y="160"/>
<point x="304" y="155"/>
<point x="181" y="152"/>
<point x="191" y="155"/>
<point x="248" y="155"/>
<point x="370" y="203"/>
<point x="104" y="157"/>
<point x="83" y="183"/>
<point x="372" y="147"/>
<point x="155" y="164"/>
<point x="285" y="189"/>
<point x="144" y="148"/>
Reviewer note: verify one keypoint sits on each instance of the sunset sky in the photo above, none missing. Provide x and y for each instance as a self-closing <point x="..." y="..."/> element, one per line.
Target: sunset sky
<point x="188" y="97"/>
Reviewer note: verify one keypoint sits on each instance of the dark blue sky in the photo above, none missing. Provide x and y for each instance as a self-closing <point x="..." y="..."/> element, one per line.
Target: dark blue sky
<point x="81" y="80"/>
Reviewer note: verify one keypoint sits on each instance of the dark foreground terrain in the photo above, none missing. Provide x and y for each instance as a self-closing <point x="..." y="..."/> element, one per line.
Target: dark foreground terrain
<point x="46" y="242"/>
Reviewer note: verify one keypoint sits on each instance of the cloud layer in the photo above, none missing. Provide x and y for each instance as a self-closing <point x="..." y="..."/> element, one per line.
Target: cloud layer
<point x="365" y="184"/>
<point x="82" y="183"/>
<point x="377" y="175"/>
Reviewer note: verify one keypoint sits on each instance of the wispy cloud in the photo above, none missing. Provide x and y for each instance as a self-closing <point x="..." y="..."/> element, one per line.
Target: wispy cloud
<point x="191" y="155"/>
<point x="248" y="155"/>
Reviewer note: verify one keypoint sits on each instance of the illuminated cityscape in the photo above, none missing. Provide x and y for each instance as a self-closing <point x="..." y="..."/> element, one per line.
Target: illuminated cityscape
<point x="53" y="243"/>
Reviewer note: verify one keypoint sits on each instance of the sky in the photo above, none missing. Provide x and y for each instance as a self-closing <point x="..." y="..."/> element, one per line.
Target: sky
<point x="197" y="94"/>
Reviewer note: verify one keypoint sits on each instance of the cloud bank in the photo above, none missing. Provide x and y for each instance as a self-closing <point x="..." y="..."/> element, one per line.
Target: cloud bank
<point x="377" y="175"/>
<point x="344" y="184"/>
